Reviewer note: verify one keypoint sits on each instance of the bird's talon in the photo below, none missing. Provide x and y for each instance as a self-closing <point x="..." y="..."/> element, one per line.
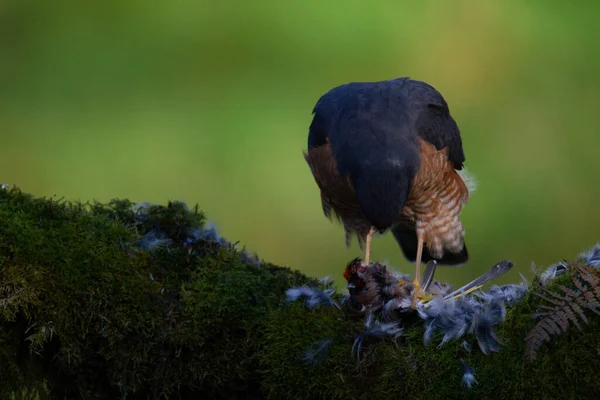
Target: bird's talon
<point x="418" y="293"/>
<point x="426" y="298"/>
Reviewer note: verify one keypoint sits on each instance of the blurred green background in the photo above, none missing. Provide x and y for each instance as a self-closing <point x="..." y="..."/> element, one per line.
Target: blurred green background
<point x="210" y="103"/>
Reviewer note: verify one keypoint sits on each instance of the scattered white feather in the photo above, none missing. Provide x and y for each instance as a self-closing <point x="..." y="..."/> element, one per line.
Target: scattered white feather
<point x="376" y="329"/>
<point x="476" y="314"/>
<point x="553" y="271"/>
<point x="312" y="296"/>
<point x="469" y="180"/>
<point x="315" y="355"/>
<point x="468" y="378"/>
<point x="591" y="257"/>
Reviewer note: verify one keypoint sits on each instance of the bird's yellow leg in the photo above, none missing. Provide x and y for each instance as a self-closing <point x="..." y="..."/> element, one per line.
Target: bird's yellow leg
<point x="368" y="246"/>
<point x="418" y="293"/>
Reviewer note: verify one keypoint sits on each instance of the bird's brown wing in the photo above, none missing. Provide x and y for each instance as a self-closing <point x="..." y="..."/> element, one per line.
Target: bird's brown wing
<point x="338" y="197"/>
<point x="371" y="132"/>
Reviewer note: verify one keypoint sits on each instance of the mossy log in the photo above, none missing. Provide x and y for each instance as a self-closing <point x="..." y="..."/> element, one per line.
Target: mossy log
<point x="123" y="301"/>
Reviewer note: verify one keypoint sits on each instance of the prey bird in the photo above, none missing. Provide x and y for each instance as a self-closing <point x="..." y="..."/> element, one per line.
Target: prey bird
<point x="387" y="155"/>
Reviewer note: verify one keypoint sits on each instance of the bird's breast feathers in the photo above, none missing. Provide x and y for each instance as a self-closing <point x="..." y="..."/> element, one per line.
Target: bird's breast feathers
<point x="438" y="194"/>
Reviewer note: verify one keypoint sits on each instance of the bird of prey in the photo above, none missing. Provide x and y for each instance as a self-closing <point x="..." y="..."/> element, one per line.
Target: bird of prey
<point x="387" y="155"/>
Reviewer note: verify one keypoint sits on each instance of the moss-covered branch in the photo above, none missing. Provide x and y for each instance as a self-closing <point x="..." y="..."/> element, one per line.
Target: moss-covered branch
<point x="118" y="300"/>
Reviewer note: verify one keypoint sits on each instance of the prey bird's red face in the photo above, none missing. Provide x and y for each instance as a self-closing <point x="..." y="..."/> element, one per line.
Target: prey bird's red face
<point x="353" y="274"/>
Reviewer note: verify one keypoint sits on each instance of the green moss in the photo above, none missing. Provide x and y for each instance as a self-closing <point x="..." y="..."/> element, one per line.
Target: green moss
<point x="86" y="311"/>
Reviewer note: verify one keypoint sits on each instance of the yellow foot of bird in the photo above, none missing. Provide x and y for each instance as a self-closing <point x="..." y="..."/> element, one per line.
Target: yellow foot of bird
<point x="418" y="293"/>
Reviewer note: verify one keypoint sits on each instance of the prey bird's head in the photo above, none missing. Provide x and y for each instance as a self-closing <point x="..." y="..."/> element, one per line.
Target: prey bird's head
<point x="354" y="275"/>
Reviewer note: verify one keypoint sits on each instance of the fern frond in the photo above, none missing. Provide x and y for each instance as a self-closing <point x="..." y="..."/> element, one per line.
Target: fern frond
<point x="576" y="307"/>
<point x="566" y="307"/>
<point x="590" y="276"/>
<point x="589" y="300"/>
